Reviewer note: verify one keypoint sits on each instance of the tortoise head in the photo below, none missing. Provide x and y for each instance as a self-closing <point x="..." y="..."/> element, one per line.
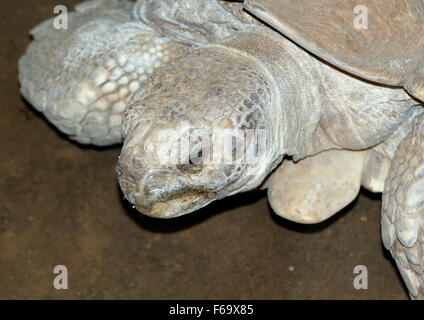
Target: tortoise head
<point x="197" y="131"/>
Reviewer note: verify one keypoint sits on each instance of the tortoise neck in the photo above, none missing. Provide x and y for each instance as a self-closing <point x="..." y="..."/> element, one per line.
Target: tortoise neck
<point x="296" y="100"/>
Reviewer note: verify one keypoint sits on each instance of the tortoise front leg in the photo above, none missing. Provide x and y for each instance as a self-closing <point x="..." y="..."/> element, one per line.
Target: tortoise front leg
<point x="403" y="209"/>
<point x="82" y="78"/>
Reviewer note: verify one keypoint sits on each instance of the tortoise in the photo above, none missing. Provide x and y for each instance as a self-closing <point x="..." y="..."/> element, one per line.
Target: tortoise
<point x="286" y="95"/>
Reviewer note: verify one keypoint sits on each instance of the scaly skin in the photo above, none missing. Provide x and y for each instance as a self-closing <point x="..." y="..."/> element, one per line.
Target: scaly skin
<point x="403" y="209"/>
<point x="82" y="78"/>
<point x="211" y="89"/>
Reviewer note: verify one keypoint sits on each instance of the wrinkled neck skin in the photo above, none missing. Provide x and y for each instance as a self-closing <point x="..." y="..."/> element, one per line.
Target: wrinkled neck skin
<point x="295" y="110"/>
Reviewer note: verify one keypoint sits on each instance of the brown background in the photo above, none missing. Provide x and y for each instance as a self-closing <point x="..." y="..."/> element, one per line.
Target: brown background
<point x="60" y="204"/>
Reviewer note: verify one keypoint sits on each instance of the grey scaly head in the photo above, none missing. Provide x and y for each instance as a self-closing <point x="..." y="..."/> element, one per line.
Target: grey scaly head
<point x="214" y="89"/>
<point x="191" y="107"/>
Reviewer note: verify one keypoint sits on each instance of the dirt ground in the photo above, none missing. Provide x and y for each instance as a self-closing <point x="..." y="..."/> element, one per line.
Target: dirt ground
<point x="60" y="205"/>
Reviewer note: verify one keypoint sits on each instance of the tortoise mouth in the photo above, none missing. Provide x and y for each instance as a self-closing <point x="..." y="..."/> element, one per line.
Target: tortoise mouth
<point x="175" y="206"/>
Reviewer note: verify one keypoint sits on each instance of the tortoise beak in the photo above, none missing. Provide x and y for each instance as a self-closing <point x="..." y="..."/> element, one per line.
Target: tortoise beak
<point x="164" y="195"/>
<point x="167" y="195"/>
<point x="172" y="208"/>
